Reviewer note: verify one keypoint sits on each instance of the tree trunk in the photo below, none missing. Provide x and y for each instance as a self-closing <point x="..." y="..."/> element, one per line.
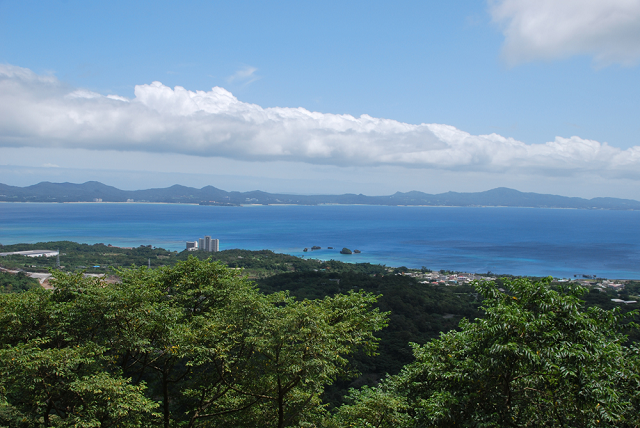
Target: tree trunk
<point x="280" y="405"/>
<point x="165" y="394"/>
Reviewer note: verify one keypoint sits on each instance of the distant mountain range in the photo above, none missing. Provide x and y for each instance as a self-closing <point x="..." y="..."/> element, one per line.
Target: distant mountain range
<point x="92" y="191"/>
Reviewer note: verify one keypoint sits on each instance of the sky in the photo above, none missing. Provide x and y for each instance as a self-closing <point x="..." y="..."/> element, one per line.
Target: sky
<point x="328" y="97"/>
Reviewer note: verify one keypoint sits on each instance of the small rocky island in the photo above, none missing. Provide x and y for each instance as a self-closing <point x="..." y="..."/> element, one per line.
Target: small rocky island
<point x="346" y="251"/>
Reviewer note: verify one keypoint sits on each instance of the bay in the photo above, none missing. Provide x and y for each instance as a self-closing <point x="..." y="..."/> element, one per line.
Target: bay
<point x="519" y="241"/>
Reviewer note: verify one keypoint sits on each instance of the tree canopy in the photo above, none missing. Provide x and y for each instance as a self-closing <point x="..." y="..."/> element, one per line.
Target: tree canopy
<point x="537" y="358"/>
<point x="198" y="345"/>
<point x="195" y="344"/>
<point x="10" y="283"/>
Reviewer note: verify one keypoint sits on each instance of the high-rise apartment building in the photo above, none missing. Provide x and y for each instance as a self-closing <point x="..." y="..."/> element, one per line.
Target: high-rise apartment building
<point x="205" y="244"/>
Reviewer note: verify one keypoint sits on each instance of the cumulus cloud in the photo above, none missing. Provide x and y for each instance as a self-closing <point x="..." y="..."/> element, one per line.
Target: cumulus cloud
<point x="607" y="30"/>
<point x="40" y="111"/>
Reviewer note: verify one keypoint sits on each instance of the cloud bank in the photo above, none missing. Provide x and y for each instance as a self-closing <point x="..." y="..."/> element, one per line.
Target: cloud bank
<point x="608" y="30"/>
<point x="40" y="111"/>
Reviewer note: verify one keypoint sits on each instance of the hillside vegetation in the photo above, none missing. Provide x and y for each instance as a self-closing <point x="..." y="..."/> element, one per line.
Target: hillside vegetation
<point x="194" y="344"/>
<point x="198" y="345"/>
<point x="16" y="283"/>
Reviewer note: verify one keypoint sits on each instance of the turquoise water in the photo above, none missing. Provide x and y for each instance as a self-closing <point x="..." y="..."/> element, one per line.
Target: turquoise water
<point x="522" y="241"/>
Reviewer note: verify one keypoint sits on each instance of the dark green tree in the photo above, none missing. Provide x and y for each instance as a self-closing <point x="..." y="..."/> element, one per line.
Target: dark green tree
<point x="50" y="375"/>
<point x="537" y="358"/>
<point x="16" y="283"/>
<point x="195" y="344"/>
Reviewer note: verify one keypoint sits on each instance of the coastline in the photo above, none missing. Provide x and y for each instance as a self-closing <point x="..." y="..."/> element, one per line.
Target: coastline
<point x="411" y="271"/>
<point x="318" y="205"/>
<point x="529" y="242"/>
<point x="96" y="192"/>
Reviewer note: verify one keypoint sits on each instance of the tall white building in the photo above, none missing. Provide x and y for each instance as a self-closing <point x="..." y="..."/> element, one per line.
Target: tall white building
<point x="205" y="244"/>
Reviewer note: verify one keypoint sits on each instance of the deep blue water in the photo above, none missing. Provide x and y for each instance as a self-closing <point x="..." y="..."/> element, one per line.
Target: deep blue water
<point x="521" y="241"/>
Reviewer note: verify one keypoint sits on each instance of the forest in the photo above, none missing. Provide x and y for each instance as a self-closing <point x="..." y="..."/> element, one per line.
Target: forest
<point x="16" y="283"/>
<point x="101" y="258"/>
<point x="195" y="344"/>
<point x="312" y="343"/>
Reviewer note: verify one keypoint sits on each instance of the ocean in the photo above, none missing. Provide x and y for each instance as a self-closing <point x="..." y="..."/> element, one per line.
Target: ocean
<point x="518" y="241"/>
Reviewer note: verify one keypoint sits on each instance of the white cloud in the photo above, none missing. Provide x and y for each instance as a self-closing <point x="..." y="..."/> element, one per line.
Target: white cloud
<point x="607" y="30"/>
<point x="118" y="97"/>
<point x="244" y="75"/>
<point x="37" y="111"/>
<point x="83" y="93"/>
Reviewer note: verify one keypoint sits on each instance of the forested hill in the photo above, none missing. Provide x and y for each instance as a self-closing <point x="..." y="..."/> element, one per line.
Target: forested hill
<point x="196" y="344"/>
<point x="300" y="305"/>
<point x="209" y="195"/>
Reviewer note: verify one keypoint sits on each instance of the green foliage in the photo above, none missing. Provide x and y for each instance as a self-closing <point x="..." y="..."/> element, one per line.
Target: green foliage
<point x="417" y="312"/>
<point x="50" y="376"/>
<point x="257" y="264"/>
<point x="195" y="344"/>
<point x="537" y="358"/>
<point x="74" y="256"/>
<point x="265" y="263"/>
<point x="633" y="288"/>
<point x="380" y="407"/>
<point x="16" y="283"/>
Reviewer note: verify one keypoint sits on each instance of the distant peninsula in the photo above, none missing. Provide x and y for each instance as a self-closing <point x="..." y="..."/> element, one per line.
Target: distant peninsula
<point x="93" y="191"/>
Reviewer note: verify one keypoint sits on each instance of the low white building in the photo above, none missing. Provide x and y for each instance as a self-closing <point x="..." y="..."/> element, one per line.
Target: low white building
<point x="33" y="253"/>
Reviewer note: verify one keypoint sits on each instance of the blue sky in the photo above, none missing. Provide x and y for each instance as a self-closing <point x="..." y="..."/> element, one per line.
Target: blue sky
<point x="462" y="95"/>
